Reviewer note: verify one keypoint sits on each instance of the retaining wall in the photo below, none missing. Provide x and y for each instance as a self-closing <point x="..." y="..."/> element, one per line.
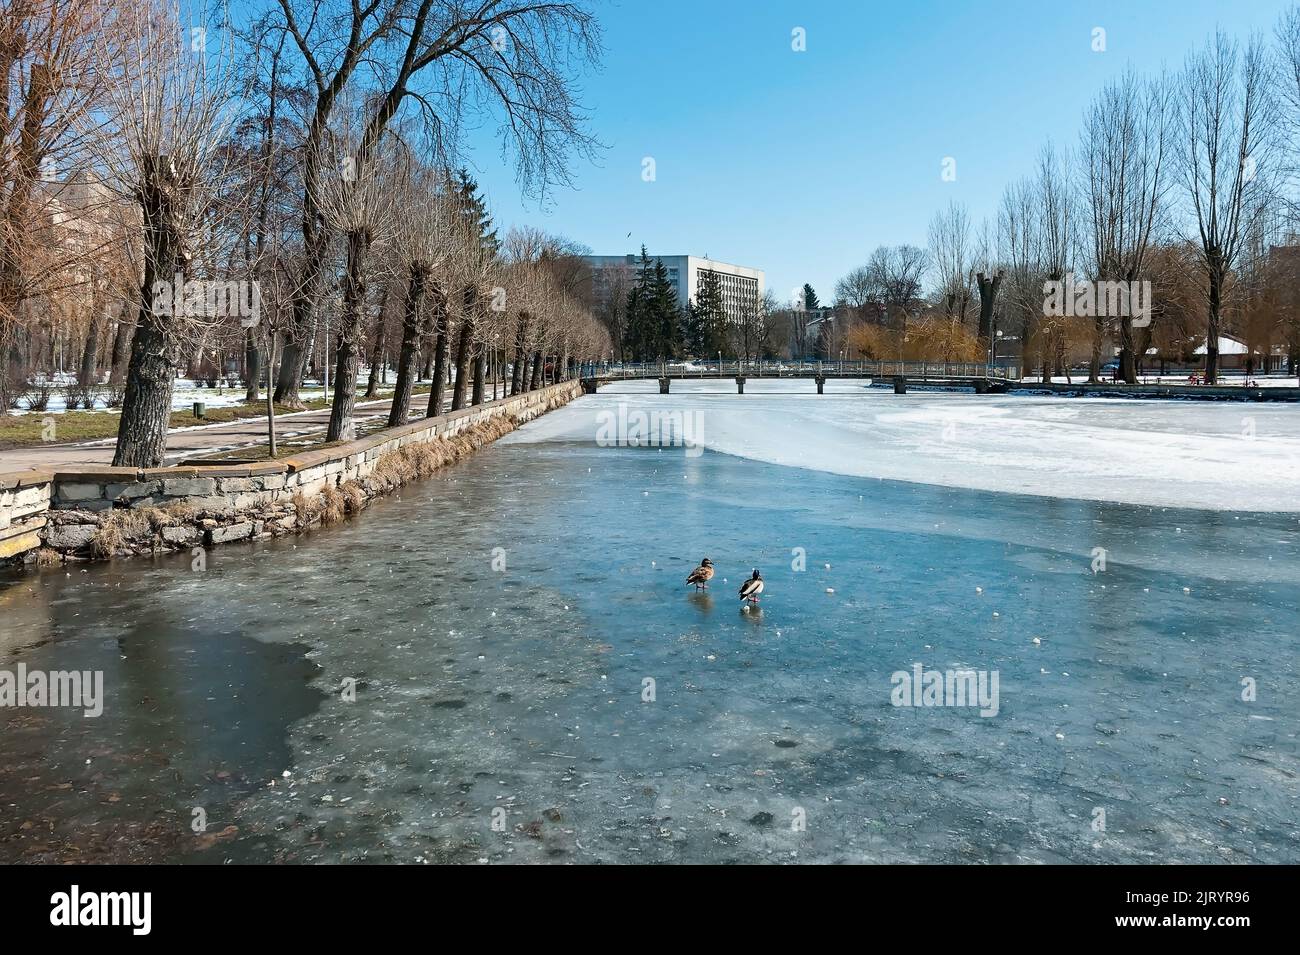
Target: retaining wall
<point x="91" y="511"/>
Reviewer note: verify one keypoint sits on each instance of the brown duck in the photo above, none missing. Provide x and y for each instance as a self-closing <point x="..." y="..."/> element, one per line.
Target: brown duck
<point x="701" y="575"/>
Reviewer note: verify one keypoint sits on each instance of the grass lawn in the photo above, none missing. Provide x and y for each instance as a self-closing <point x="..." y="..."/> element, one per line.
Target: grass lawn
<point x="70" y="427"/>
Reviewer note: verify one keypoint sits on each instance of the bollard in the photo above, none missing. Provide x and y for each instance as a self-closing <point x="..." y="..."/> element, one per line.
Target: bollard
<point x="663" y="385"/>
<point x="900" y="385"/>
<point x="740" y="384"/>
<point x="821" y="383"/>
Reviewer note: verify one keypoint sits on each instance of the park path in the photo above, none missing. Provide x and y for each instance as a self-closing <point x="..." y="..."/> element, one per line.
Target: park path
<point x="195" y="441"/>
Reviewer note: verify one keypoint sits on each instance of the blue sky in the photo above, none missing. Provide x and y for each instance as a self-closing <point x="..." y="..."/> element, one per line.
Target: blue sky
<point x="801" y="163"/>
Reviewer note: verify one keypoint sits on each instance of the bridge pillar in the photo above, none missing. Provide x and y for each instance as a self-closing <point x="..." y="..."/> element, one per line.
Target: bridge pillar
<point x="589" y="386"/>
<point x="740" y="384"/>
<point x="821" y="383"/>
<point x="900" y="385"/>
<point x="663" y="385"/>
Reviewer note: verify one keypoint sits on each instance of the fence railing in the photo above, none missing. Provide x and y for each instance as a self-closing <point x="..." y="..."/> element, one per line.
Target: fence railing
<point x="772" y="368"/>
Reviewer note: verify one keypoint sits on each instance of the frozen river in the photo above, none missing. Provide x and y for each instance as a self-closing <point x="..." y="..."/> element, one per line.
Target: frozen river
<point x="1224" y="456"/>
<point x="502" y="664"/>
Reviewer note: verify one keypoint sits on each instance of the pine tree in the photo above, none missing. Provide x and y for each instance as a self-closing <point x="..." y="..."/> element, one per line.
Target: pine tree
<point x="634" y="326"/>
<point x="694" y="335"/>
<point x="641" y="325"/>
<point x="713" y="314"/>
<point x="667" y="321"/>
<point x="810" y="298"/>
<point x="474" y="209"/>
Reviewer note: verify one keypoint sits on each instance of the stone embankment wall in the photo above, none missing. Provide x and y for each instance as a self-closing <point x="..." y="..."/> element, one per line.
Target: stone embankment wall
<point x="99" y="512"/>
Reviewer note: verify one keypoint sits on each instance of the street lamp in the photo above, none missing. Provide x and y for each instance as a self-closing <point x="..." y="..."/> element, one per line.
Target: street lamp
<point x="993" y="347"/>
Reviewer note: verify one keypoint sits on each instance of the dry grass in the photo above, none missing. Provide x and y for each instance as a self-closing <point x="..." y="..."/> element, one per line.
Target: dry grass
<point x="305" y="509"/>
<point x="415" y="461"/>
<point x="332" y="505"/>
<point x="353" y="496"/>
<point x="48" y="557"/>
<point x="119" y="528"/>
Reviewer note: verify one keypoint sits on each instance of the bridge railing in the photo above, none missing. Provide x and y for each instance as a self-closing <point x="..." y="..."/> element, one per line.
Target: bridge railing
<point x="780" y="368"/>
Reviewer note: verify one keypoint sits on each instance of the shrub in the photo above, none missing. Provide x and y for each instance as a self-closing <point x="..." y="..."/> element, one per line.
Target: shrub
<point x="37" y="393"/>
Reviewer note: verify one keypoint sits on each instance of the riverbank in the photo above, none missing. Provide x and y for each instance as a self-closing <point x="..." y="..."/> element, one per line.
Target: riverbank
<point x="48" y="517"/>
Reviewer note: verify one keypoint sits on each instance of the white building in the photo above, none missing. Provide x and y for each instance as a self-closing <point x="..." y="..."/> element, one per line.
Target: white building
<point x="741" y="287"/>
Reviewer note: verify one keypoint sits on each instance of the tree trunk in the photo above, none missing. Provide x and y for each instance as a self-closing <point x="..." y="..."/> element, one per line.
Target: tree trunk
<point x="1127" y="353"/>
<point x="521" y="341"/>
<point x="1094" y="363"/>
<point x="377" y="351"/>
<point x="270" y="389"/>
<point x="988" y="289"/>
<point x="86" y="375"/>
<point x="535" y="381"/>
<point x="480" y="360"/>
<point x="440" y="346"/>
<point x="348" y="351"/>
<point x="1212" y="332"/>
<point x="121" y="350"/>
<point x="412" y="312"/>
<point x="147" y="405"/>
<point x="253" y="367"/>
<point x="462" y="364"/>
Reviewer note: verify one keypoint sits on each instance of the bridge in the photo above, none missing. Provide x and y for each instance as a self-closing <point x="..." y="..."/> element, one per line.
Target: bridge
<point x="977" y="376"/>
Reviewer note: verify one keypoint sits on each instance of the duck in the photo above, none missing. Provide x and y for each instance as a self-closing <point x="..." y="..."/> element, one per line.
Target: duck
<point x="701" y="575"/>
<point x="751" y="588"/>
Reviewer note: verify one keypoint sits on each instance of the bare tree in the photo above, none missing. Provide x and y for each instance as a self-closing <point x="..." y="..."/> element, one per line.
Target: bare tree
<point x="950" y="249"/>
<point x="358" y="202"/>
<point x="1124" y="153"/>
<point x="169" y="108"/>
<point x="1226" y="126"/>
<point x="50" y="90"/>
<point x="451" y="58"/>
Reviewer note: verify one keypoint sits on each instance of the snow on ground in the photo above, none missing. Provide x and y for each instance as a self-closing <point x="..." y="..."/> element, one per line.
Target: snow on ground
<point x="184" y="394"/>
<point x="1228" y="379"/>
<point x="1223" y="456"/>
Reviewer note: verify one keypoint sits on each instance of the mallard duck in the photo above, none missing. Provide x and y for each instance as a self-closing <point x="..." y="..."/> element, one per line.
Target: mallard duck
<point x="701" y="575"/>
<point x="751" y="588"/>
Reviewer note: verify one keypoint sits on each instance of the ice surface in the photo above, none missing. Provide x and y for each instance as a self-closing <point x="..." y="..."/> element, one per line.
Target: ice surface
<point x="1225" y="456"/>
<point x="516" y="690"/>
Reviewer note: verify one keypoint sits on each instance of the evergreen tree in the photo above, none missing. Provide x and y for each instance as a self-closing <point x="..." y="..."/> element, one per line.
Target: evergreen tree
<point x="713" y="314"/>
<point x="666" y="319"/>
<point x="694" y="335"/>
<point x="634" y="326"/>
<point x="810" y="298"/>
<point x="478" y="220"/>
<point x="641" y="324"/>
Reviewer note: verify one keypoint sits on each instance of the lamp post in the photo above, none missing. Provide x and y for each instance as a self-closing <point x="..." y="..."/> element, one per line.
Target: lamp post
<point x="993" y="347"/>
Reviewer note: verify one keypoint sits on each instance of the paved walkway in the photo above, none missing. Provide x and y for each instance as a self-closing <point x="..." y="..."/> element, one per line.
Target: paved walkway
<point x="201" y="439"/>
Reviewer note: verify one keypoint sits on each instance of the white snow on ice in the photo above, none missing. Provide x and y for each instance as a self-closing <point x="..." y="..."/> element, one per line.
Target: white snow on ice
<point x="1223" y="456"/>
